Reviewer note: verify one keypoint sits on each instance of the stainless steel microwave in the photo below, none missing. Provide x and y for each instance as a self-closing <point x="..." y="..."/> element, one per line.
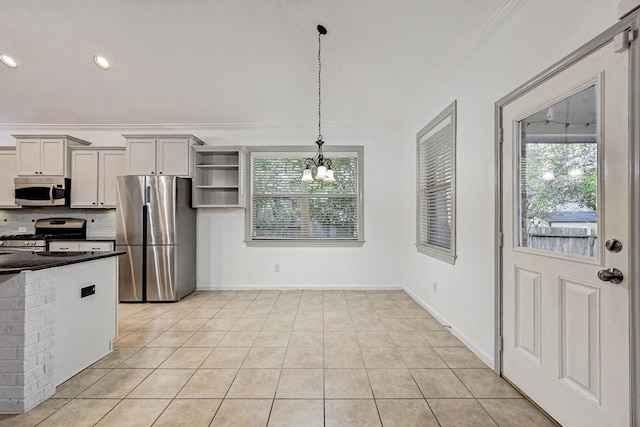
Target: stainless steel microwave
<point x="42" y="191"/>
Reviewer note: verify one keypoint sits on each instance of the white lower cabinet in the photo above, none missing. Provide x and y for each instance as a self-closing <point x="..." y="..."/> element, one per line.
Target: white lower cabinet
<point x="80" y="246"/>
<point x="86" y="315"/>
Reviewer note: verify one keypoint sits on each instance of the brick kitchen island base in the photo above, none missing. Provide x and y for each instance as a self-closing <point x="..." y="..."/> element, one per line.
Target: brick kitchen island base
<point x="49" y="331"/>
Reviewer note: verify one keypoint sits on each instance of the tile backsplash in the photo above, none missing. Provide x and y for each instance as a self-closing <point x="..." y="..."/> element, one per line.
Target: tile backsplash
<point x="101" y="223"/>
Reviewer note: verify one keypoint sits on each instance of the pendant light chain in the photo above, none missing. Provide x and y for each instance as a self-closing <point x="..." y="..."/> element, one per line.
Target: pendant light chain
<point x="319" y="87"/>
<point x="323" y="165"/>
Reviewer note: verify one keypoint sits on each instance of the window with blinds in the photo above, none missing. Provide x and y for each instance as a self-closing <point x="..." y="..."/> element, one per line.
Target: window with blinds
<point x="436" y="187"/>
<point x="284" y="208"/>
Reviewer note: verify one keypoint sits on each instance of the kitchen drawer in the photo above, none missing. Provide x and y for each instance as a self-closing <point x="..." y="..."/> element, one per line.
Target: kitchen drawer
<point x="62" y="246"/>
<point x="80" y="246"/>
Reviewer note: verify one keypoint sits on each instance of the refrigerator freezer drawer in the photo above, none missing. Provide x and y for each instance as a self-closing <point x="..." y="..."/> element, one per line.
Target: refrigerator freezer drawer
<point x="170" y="277"/>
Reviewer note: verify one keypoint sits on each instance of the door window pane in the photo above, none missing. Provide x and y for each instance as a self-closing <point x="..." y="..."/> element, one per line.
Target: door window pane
<point x="558" y="177"/>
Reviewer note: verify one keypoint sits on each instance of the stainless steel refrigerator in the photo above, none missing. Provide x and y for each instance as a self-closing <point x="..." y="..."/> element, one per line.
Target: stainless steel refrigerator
<point x="156" y="226"/>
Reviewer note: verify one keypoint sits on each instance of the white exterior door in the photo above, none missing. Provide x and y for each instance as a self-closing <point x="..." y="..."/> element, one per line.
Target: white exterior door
<point x="565" y="194"/>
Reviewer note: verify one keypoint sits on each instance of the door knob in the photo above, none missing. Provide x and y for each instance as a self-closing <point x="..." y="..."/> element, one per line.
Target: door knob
<point x="612" y="275"/>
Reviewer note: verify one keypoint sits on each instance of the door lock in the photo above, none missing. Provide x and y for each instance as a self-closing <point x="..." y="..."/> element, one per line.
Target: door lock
<point x="613" y="245"/>
<point x="612" y="275"/>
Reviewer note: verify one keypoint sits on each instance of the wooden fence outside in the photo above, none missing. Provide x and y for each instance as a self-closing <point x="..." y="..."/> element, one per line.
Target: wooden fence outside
<point x="575" y="241"/>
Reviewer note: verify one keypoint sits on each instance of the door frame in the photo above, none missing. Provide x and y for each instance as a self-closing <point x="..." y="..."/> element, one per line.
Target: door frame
<point x="632" y="22"/>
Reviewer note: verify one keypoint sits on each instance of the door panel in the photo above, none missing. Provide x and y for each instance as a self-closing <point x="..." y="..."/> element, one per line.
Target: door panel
<point x="161" y="210"/>
<point x="130" y="274"/>
<point x="565" y="193"/>
<point x="129" y="215"/>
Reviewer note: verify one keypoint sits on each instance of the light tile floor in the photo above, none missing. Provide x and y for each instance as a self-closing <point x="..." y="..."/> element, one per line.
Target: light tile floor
<point x="284" y="358"/>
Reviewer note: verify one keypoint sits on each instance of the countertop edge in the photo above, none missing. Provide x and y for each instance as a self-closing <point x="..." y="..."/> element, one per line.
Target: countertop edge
<point x="43" y="260"/>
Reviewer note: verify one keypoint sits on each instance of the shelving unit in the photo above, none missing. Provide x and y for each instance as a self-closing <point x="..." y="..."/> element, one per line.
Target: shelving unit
<point x="219" y="177"/>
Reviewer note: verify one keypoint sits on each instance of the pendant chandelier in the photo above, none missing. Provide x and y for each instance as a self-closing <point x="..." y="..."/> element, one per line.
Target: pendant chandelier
<point x="321" y="164"/>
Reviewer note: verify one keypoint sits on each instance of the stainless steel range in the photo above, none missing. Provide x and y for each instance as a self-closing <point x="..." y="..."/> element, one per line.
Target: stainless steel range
<point x="46" y="230"/>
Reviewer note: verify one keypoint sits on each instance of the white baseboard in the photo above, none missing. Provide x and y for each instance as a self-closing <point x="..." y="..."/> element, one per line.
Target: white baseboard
<point x="462" y="337"/>
<point x="202" y="287"/>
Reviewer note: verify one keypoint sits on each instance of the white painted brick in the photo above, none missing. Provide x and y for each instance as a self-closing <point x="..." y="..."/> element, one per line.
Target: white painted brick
<point x="34" y="301"/>
<point x="11" y="391"/>
<point x="8" y="353"/>
<point x="11" y="366"/>
<point x="12" y="316"/>
<point x="30" y="363"/>
<point x="33" y="375"/>
<point x="12" y="328"/>
<point x="12" y="303"/>
<point x="45" y="380"/>
<point x="31" y="350"/>
<point x="31" y="338"/>
<point x="33" y="399"/>
<point x="50" y="296"/>
<point x="14" y="341"/>
<point x="11" y="406"/>
<point x="50" y="343"/>
<point x="8" y="379"/>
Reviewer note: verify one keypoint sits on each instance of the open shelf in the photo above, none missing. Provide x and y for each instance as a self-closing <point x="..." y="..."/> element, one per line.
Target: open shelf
<point x="218" y="176"/>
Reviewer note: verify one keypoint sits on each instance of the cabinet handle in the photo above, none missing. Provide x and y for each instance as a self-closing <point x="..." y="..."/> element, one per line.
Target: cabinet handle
<point x="152" y="173"/>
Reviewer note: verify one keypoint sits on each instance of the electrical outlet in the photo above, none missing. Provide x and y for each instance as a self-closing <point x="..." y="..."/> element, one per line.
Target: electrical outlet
<point x="435" y="286"/>
<point x="276" y="268"/>
<point x="22" y="229"/>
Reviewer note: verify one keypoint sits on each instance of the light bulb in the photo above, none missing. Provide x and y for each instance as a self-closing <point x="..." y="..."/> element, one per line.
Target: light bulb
<point x="329" y="177"/>
<point x="322" y="172"/>
<point x="102" y="62"/>
<point x="8" y="61"/>
<point x="306" y="175"/>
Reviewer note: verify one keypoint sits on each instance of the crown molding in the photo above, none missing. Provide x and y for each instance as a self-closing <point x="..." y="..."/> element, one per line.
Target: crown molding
<point x="156" y="127"/>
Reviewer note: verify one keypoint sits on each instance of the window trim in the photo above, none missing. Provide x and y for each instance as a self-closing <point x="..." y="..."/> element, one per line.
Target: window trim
<point x="320" y="242"/>
<point x="444" y="254"/>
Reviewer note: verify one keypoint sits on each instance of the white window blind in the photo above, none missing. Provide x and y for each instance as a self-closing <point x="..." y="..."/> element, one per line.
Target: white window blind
<point x="436" y="202"/>
<point x="285" y="208"/>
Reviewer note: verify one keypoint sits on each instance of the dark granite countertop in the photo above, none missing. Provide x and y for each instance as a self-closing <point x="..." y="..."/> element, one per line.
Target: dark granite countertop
<point x="15" y="262"/>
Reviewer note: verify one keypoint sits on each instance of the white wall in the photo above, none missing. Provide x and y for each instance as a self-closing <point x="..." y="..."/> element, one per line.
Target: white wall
<point x="224" y="260"/>
<point x="540" y="33"/>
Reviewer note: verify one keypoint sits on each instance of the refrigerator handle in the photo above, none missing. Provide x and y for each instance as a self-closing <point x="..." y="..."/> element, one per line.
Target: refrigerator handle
<point x="147" y="195"/>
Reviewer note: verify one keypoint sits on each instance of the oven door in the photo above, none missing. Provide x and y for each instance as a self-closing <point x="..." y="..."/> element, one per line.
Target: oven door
<point x="42" y="191"/>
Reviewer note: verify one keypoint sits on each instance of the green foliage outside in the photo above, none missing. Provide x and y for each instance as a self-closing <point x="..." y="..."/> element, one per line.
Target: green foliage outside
<point x="558" y="177"/>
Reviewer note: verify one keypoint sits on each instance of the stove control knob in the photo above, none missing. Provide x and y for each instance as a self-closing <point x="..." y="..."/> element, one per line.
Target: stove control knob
<point x="1" y="243"/>
<point x="26" y="243"/>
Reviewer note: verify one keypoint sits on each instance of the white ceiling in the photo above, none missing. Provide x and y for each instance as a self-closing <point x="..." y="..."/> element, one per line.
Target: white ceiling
<point x="230" y="61"/>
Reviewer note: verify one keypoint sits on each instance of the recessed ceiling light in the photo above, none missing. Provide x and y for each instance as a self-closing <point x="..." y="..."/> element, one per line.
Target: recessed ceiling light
<point x="102" y="62"/>
<point x="8" y="61"/>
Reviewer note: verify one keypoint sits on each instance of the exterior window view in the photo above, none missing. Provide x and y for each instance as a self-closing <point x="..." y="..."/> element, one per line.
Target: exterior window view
<point x="559" y="176"/>
<point x="285" y="207"/>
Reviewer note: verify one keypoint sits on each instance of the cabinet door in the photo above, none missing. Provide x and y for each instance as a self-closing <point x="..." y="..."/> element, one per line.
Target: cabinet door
<point x="28" y="152"/>
<point x="84" y="179"/>
<point x="141" y="156"/>
<point x="112" y="164"/>
<point x="173" y="157"/>
<point x="53" y="157"/>
<point x="8" y="171"/>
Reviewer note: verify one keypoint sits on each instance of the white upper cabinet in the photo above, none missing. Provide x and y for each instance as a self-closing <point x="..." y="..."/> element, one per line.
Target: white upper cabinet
<point x="160" y="154"/>
<point x="93" y="177"/>
<point x="7" y="173"/>
<point x="44" y="155"/>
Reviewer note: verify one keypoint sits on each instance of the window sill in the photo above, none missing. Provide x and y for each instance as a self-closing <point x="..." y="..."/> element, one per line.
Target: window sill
<point x="304" y="242"/>
<point x="447" y="257"/>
